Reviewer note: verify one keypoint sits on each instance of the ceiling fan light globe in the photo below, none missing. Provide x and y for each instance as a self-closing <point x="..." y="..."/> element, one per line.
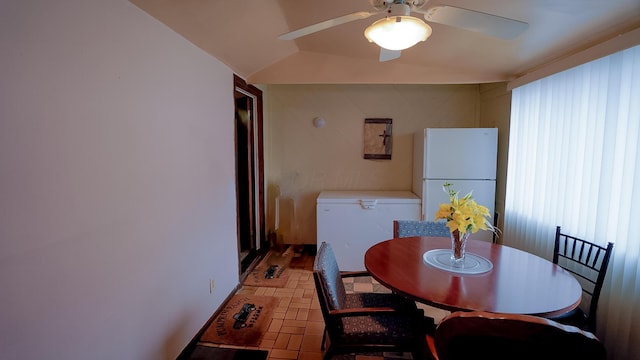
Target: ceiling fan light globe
<point x="397" y="32"/>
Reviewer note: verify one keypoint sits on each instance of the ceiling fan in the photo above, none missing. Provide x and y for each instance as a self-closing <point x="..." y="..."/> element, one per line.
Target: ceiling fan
<point x="398" y="30"/>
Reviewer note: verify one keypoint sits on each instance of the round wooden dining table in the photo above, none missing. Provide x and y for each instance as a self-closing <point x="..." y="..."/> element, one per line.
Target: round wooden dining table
<point x="517" y="282"/>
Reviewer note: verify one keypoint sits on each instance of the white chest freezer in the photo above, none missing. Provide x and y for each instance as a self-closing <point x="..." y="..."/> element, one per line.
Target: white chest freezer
<point x="353" y="221"/>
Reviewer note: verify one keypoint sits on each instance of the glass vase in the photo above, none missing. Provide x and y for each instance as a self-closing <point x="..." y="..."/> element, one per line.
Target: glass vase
<point x="458" y="245"/>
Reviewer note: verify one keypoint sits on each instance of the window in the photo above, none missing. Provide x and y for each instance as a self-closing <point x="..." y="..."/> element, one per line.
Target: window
<point x="574" y="161"/>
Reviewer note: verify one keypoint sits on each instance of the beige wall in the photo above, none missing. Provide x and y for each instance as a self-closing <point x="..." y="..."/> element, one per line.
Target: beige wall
<point x="302" y="160"/>
<point x="495" y="111"/>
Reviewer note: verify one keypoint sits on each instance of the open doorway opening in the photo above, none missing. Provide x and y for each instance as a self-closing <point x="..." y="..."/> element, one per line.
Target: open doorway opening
<point x="249" y="174"/>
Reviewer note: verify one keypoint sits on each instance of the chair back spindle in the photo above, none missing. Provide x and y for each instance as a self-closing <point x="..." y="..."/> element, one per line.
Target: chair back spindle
<point x="588" y="262"/>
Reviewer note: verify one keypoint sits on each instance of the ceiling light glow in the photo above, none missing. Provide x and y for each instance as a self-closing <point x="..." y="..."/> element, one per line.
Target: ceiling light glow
<point x="397" y="32"/>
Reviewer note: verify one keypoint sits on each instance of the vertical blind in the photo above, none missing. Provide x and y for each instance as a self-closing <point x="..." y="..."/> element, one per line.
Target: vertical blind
<point x="574" y="161"/>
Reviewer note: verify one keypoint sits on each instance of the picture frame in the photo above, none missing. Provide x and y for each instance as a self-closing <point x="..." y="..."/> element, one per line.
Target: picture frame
<point x="377" y="138"/>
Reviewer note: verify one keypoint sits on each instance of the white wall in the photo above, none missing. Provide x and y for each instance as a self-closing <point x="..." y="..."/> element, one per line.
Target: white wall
<point x="117" y="185"/>
<point x="303" y="160"/>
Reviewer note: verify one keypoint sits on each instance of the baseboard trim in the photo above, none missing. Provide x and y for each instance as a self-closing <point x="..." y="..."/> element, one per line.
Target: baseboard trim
<point x="186" y="352"/>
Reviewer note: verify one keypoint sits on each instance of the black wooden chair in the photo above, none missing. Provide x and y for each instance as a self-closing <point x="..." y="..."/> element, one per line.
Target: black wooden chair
<point x="482" y="335"/>
<point x="588" y="262"/>
<point x="364" y="322"/>
<point x="406" y="228"/>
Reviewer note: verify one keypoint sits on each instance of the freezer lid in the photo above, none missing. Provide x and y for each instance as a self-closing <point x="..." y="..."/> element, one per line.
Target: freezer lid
<point x="357" y="197"/>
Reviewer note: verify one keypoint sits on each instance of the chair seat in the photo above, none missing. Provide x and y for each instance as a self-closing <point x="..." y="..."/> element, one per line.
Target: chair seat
<point x="376" y="300"/>
<point x="379" y="330"/>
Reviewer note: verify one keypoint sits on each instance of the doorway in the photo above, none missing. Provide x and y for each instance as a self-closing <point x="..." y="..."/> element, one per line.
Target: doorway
<point x="249" y="174"/>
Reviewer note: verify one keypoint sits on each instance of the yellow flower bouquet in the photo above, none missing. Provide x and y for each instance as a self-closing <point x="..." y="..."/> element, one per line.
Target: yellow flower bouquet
<point x="464" y="214"/>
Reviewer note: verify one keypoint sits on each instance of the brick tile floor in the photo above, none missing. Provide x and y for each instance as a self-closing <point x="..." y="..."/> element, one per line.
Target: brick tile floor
<point x="296" y="328"/>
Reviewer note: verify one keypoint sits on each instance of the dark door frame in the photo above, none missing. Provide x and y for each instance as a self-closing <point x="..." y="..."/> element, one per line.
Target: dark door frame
<point x="250" y="216"/>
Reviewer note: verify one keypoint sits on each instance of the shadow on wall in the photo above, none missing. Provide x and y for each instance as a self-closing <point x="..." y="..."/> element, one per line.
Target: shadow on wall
<point x="285" y="221"/>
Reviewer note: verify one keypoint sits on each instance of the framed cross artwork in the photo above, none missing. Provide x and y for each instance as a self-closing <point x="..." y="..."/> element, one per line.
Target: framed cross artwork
<point x="377" y="138"/>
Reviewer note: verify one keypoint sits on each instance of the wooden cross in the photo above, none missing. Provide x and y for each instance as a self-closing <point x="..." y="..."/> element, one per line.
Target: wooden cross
<point x="384" y="137"/>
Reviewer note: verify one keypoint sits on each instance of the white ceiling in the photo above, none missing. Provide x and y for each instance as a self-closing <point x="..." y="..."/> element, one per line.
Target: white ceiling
<point x="243" y="35"/>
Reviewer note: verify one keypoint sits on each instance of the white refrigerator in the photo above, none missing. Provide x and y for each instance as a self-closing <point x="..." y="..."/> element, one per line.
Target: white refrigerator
<point x="353" y="221"/>
<point x="464" y="157"/>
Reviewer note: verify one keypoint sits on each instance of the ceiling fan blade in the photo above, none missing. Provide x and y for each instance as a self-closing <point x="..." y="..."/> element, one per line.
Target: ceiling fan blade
<point x="326" y="24"/>
<point x="488" y="24"/>
<point x="386" y="54"/>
